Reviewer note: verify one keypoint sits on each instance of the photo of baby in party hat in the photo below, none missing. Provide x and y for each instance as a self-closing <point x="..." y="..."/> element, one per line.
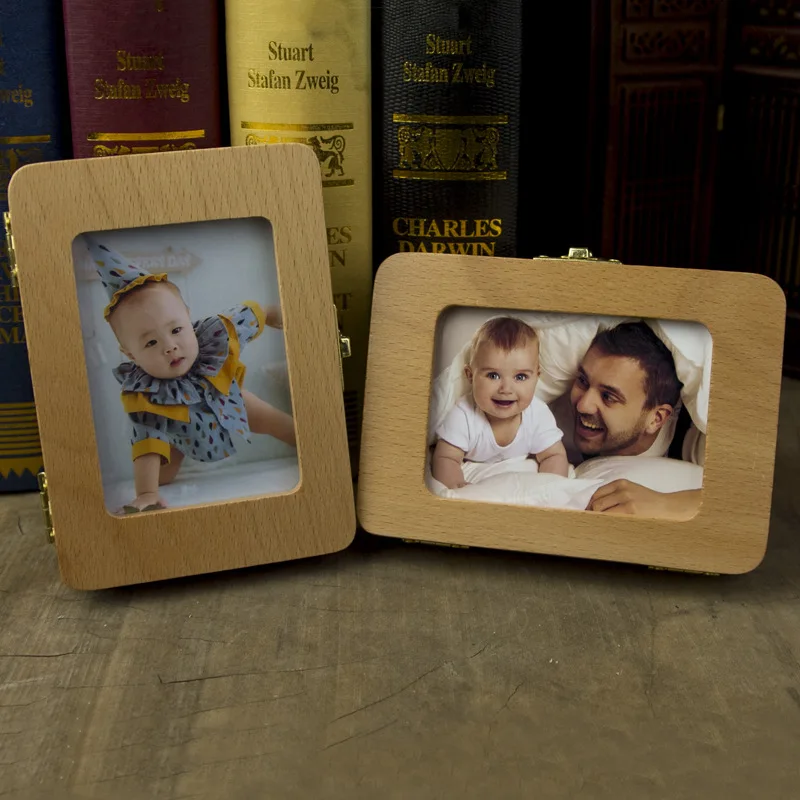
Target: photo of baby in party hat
<point x="183" y="382"/>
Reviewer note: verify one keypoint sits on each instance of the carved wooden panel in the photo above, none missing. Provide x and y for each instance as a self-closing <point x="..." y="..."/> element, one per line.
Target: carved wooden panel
<point x="759" y="229"/>
<point x="657" y="117"/>
<point x="635" y="9"/>
<point x="694" y="137"/>
<point x="689" y="42"/>
<point x="658" y="185"/>
<point x="661" y="35"/>
<point x="685" y="8"/>
<point x="771" y="12"/>
<point x="758" y="219"/>
<point x="779" y="47"/>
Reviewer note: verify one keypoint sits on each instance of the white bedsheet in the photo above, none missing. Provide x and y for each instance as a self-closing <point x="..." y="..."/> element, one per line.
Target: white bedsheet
<point x="517" y="482"/>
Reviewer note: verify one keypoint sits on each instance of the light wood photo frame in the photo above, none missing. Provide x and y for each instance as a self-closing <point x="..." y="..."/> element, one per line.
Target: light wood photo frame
<point x="744" y="315"/>
<point x="52" y="206"/>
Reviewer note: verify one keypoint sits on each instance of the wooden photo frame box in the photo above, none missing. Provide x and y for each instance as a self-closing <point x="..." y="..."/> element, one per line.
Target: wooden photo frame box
<point x="249" y="221"/>
<point x="717" y="522"/>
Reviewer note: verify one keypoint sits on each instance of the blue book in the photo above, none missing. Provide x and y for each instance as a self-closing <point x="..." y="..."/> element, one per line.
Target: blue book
<point x="34" y="126"/>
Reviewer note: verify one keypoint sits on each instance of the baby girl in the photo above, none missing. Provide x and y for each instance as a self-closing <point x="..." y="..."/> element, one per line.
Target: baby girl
<point x="500" y="418"/>
<point x="183" y="385"/>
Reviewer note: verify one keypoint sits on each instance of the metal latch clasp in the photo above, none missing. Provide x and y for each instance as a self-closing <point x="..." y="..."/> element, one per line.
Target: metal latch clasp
<point x="12" y="255"/>
<point x="44" y="497"/>
<point x="582" y="254"/>
<point x="344" y="346"/>
<point x="345" y="350"/>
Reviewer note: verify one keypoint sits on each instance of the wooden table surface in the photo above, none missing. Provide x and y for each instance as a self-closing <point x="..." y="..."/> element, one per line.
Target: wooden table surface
<point x="406" y="671"/>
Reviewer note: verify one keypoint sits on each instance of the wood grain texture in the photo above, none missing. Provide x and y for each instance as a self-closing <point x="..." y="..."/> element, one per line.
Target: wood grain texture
<point x="401" y="672"/>
<point x="745" y="316"/>
<point x="53" y="203"/>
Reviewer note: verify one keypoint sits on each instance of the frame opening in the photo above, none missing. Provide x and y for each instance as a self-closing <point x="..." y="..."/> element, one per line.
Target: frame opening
<point x="186" y="361"/>
<point x="571" y="411"/>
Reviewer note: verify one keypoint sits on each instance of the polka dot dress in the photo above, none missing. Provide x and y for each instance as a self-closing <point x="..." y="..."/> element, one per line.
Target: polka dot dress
<point x="214" y="417"/>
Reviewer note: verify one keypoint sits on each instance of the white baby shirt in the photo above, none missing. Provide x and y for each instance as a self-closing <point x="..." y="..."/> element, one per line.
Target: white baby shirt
<point x="467" y="428"/>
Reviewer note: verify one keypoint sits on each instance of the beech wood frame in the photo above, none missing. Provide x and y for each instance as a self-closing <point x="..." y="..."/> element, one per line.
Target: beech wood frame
<point x="745" y="316"/>
<point x="51" y="203"/>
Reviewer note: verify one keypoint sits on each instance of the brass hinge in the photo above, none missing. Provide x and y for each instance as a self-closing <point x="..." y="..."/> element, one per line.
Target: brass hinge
<point x="437" y="544"/>
<point x="44" y="496"/>
<point x="345" y="351"/>
<point x="12" y="254"/>
<point x="582" y="254"/>
<point x="690" y="571"/>
<point x="344" y="346"/>
<point x="720" y="117"/>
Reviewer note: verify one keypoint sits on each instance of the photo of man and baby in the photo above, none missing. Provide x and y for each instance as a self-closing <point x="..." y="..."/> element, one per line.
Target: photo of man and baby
<point x="182" y="329"/>
<point x="599" y="414"/>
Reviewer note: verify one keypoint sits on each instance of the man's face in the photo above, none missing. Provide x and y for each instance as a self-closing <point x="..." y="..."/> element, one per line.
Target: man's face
<point x="608" y="397"/>
<point x="503" y="383"/>
<point x="155" y="332"/>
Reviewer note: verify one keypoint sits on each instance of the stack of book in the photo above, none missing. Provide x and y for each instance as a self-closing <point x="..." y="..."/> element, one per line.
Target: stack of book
<point x="430" y="92"/>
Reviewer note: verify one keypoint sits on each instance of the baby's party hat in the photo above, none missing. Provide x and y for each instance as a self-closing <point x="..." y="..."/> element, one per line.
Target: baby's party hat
<point x="117" y="274"/>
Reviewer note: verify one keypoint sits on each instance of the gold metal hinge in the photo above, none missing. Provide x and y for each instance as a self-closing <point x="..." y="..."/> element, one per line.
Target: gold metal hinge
<point x="44" y="496"/>
<point x="345" y="351"/>
<point x="437" y="544"/>
<point x="582" y="254"/>
<point x="12" y="254"/>
<point x="720" y="117"/>
<point x="344" y="346"/>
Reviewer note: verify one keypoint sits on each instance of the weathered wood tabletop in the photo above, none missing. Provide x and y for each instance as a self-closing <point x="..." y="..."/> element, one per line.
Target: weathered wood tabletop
<point x="403" y="671"/>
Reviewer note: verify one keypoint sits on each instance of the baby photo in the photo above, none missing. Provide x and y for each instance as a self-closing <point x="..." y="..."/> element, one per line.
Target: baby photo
<point x="182" y="329"/>
<point x="589" y="413"/>
<point x="499" y="418"/>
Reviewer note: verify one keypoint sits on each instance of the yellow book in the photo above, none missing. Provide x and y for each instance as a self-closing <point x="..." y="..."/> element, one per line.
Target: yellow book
<point x="300" y="72"/>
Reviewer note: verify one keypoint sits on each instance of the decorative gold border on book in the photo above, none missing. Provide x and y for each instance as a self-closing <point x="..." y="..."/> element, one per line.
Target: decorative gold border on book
<point x="296" y="126"/>
<point x="415" y="175"/>
<point x="443" y="142"/>
<point x="149" y="142"/>
<point x="19" y="465"/>
<point x="16" y="152"/>
<point x="42" y="138"/>
<point x="150" y="136"/>
<point x="331" y="157"/>
<point x="20" y="447"/>
<point x="433" y="119"/>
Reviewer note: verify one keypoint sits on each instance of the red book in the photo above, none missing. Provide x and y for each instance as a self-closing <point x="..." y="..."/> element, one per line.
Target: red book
<point x="143" y="75"/>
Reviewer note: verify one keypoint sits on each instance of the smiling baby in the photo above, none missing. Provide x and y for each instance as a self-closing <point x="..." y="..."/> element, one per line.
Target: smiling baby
<point x="499" y="418"/>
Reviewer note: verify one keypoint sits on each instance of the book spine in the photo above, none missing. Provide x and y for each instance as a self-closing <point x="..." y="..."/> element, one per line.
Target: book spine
<point x="33" y="127"/>
<point x="451" y="109"/>
<point x="143" y="75"/>
<point x="294" y="77"/>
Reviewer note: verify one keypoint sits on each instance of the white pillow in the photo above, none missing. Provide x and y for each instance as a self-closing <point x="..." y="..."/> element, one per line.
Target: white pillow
<point x="448" y="387"/>
<point x="561" y="349"/>
<point x="664" y="475"/>
<point x="690" y="345"/>
<point x="565" y="338"/>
